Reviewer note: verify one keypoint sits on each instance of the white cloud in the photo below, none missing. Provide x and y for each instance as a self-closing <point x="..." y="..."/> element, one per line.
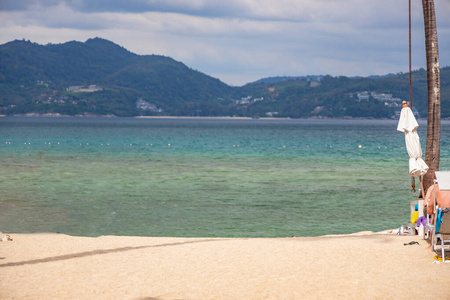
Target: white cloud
<point x="240" y="40"/>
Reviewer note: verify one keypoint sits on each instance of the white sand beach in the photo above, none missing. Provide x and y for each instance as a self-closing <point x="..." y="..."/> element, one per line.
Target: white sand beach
<point x="360" y="266"/>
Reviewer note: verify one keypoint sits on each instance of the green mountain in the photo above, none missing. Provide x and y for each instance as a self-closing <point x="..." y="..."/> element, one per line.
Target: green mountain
<point x="36" y="78"/>
<point x="340" y="97"/>
<point x="99" y="77"/>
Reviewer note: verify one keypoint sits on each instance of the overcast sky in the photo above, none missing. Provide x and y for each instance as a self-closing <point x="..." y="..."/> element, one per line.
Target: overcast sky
<point x="240" y="41"/>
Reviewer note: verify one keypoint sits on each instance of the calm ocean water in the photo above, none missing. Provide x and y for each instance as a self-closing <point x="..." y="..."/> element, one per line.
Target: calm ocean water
<point x="204" y="177"/>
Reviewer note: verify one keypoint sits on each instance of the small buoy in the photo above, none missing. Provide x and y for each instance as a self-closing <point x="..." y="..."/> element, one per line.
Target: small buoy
<point x="359" y="146"/>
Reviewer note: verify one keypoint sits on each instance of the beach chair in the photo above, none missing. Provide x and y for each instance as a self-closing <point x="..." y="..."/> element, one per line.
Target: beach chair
<point x="440" y="239"/>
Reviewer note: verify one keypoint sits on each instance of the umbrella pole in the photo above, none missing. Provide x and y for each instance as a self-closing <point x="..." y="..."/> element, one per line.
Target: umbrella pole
<point x="421" y="188"/>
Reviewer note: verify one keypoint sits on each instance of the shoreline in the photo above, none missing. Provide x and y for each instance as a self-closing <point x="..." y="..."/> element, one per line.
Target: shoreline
<point x="364" y="265"/>
<point x="57" y="115"/>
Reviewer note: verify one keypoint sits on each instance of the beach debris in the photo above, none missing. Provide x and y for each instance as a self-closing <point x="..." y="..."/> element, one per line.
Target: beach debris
<point x="6" y="238"/>
<point x="411" y="243"/>
<point x="406" y="230"/>
<point x="439" y="258"/>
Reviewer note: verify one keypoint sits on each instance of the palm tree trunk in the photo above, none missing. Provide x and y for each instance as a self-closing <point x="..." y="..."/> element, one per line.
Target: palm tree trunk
<point x="432" y="152"/>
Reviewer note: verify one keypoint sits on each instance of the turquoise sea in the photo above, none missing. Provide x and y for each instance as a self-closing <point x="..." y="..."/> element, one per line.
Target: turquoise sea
<point x="204" y="177"/>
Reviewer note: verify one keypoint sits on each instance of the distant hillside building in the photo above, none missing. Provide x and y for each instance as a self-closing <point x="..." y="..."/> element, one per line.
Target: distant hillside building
<point x="314" y="83"/>
<point x="83" y="89"/>
<point x="145" y="105"/>
<point x="363" y="96"/>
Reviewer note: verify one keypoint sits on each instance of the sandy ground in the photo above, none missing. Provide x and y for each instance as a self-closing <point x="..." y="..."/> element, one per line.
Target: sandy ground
<point x="359" y="266"/>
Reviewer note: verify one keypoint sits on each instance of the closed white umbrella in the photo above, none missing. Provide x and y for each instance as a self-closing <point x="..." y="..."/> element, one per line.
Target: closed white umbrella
<point x="408" y="125"/>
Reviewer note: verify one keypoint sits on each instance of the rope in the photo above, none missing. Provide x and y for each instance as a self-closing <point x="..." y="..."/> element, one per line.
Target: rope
<point x="410" y="84"/>
<point x="413" y="181"/>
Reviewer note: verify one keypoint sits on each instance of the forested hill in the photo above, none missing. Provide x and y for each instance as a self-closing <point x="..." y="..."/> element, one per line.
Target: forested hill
<point x="98" y="77"/>
<point x="36" y="78"/>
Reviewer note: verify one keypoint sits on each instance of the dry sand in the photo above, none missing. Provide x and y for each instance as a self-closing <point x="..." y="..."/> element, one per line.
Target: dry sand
<point x="360" y="266"/>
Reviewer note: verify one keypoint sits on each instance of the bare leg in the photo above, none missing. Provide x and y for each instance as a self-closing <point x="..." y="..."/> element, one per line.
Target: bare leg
<point x="430" y="246"/>
<point x="431" y="241"/>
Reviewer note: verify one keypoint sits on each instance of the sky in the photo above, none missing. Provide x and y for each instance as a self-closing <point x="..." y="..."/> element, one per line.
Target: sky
<point x="240" y="41"/>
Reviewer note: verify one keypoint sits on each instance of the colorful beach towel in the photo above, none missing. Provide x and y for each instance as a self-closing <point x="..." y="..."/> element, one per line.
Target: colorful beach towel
<point x="421" y="221"/>
<point x="440" y="213"/>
